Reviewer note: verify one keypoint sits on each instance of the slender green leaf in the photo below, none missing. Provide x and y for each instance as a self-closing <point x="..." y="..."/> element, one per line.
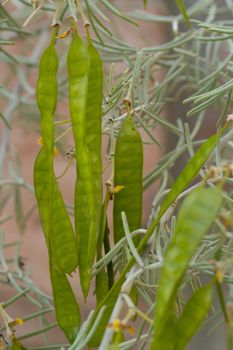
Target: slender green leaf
<point x="195" y="217"/>
<point x="181" y="6"/>
<point x="190" y="171"/>
<point x="165" y="339"/>
<point x="194" y="313"/>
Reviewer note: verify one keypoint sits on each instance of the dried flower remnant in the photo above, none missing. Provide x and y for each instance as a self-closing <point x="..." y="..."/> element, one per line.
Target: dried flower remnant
<point x="9" y="323"/>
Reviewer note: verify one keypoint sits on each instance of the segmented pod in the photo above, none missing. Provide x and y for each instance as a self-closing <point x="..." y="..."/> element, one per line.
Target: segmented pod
<point x="128" y="167"/>
<point x="94" y="123"/>
<point x="46" y="93"/>
<point x="85" y="197"/>
<point x="66" y="306"/>
<point x="94" y="144"/>
<point x="54" y="217"/>
<point x="55" y="220"/>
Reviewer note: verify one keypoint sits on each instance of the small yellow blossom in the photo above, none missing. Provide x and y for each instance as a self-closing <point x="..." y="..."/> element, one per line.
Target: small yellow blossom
<point x="118" y="326"/>
<point x="117" y="189"/>
<point x="10" y="323"/>
<point x="19" y="321"/>
<point x="15" y="322"/>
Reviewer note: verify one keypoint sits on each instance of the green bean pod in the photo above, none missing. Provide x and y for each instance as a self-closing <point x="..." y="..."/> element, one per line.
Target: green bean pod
<point x="94" y="144"/>
<point x="94" y="123"/>
<point x="46" y="94"/>
<point x="54" y="217"/>
<point x="128" y="167"/>
<point x="55" y="220"/>
<point x="85" y="197"/>
<point x="66" y="307"/>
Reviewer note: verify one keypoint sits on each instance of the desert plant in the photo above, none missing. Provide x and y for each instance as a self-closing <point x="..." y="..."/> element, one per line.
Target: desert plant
<point x="153" y="281"/>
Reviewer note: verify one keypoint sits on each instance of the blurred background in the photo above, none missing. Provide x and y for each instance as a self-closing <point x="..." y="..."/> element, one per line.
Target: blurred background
<point x="19" y="130"/>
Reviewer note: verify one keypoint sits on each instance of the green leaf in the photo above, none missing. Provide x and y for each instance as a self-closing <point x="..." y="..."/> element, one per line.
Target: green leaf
<point x="184" y="179"/>
<point x="165" y="339"/>
<point x="195" y="217"/>
<point x="101" y="286"/>
<point x="181" y="6"/>
<point x="190" y="171"/>
<point x="194" y="313"/>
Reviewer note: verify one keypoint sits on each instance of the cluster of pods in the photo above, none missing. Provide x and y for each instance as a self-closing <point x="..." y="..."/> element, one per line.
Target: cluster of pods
<point x="70" y="247"/>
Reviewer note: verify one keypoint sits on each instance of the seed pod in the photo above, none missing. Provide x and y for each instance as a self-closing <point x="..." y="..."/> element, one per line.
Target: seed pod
<point x="94" y="124"/>
<point x="54" y="217"/>
<point x="66" y="306"/>
<point x="128" y="167"/>
<point x="55" y="220"/>
<point x="85" y="197"/>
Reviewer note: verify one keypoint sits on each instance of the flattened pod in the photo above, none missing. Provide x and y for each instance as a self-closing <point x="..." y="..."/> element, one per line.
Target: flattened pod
<point x="46" y="93"/>
<point x="128" y="167"/>
<point x="94" y="144"/>
<point x="66" y="306"/>
<point x="94" y="124"/>
<point x="55" y="220"/>
<point x="54" y="217"/>
<point x="85" y="197"/>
